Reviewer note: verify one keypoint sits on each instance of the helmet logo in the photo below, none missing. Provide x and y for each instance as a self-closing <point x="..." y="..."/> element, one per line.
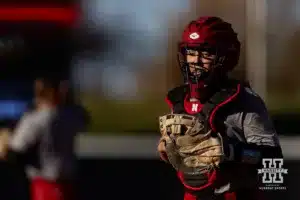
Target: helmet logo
<point x="194" y="36"/>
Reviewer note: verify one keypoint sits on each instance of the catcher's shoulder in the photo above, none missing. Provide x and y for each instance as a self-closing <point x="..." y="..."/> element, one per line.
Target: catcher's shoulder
<point x="252" y="101"/>
<point x="245" y="89"/>
<point x="248" y="92"/>
<point x="177" y="94"/>
<point x="248" y="100"/>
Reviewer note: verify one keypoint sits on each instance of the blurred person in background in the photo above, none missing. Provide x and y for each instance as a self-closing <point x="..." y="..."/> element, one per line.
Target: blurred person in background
<point x="43" y="141"/>
<point x="208" y="50"/>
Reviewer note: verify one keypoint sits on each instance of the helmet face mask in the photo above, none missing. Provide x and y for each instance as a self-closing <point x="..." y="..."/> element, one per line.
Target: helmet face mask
<point x="208" y="45"/>
<point x="197" y="63"/>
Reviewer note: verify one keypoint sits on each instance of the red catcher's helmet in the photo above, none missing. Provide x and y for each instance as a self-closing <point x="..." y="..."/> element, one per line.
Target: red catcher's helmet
<point x="214" y="35"/>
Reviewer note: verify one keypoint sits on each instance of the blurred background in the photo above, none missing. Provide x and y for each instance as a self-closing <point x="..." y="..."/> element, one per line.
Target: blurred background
<point x="121" y="59"/>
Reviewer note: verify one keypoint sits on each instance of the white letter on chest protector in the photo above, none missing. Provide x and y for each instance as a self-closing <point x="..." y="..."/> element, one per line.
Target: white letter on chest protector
<point x="195" y="107"/>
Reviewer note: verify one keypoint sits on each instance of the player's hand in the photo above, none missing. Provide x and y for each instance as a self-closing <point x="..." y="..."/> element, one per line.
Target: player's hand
<point x="161" y="149"/>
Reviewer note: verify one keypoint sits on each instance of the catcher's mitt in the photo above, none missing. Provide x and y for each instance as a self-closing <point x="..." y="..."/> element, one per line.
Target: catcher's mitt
<point x="189" y="148"/>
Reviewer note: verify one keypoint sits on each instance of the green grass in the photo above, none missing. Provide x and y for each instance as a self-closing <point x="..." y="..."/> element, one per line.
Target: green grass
<point x="133" y="117"/>
<point x="281" y="104"/>
<point x="137" y="117"/>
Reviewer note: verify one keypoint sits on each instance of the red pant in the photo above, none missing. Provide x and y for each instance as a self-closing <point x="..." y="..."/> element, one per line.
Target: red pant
<point x="42" y="189"/>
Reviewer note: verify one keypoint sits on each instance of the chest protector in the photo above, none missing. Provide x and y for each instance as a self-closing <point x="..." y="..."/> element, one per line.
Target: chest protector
<point x="214" y="111"/>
